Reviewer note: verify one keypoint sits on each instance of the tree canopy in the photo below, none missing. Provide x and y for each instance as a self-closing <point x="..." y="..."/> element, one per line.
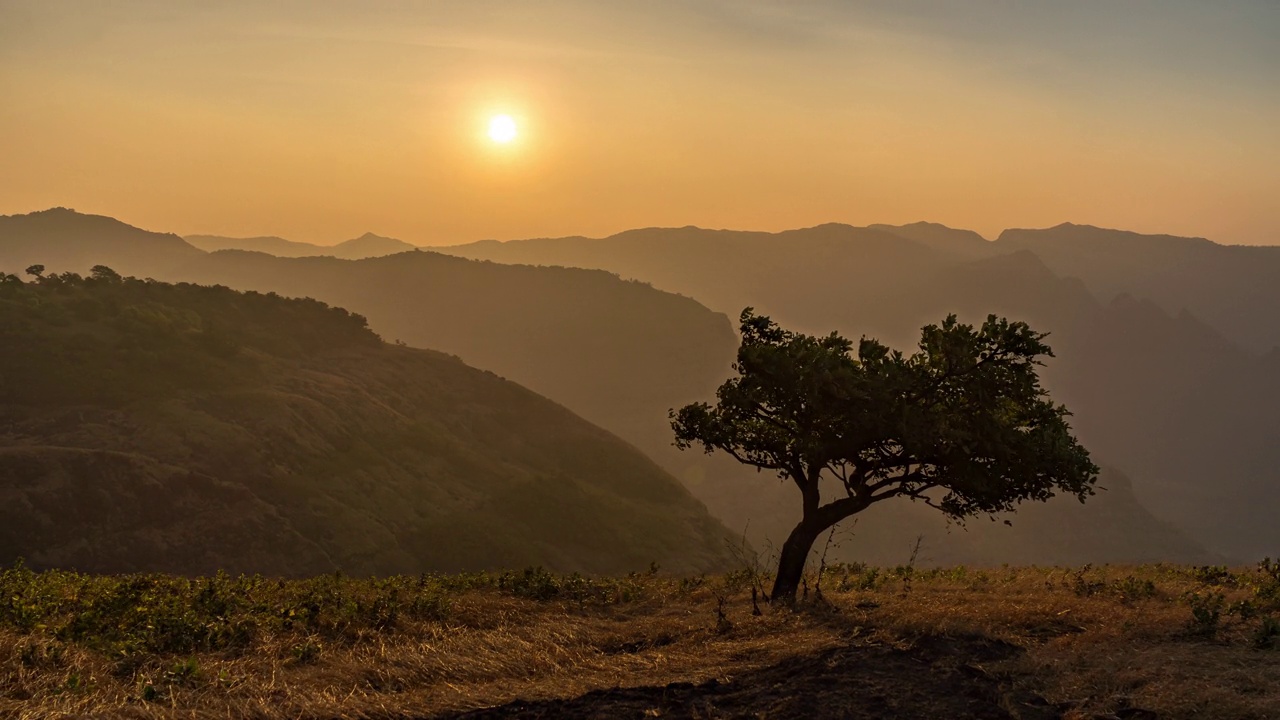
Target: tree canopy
<point x="962" y="424"/>
<point x="67" y="338"/>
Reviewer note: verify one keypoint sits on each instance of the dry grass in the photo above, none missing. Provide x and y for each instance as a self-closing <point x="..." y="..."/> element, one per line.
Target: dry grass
<point x="1097" y="648"/>
<point x="1096" y="641"/>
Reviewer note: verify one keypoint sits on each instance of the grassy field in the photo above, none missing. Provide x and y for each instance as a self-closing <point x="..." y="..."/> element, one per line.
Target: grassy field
<point x="1149" y="641"/>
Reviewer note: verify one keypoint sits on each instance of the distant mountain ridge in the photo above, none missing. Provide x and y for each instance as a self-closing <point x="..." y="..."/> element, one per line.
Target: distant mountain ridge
<point x="1230" y="286"/>
<point x="1220" y="283"/>
<point x="939" y="237"/>
<point x="366" y="246"/>
<point x="1176" y="272"/>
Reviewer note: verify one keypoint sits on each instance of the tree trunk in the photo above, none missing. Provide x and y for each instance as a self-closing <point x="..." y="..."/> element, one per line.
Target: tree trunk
<point x="795" y="551"/>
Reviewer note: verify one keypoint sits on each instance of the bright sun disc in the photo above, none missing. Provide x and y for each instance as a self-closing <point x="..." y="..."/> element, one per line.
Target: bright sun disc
<point x="502" y="129"/>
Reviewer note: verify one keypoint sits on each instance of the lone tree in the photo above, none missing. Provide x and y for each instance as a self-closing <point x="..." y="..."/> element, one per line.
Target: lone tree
<point x="962" y="425"/>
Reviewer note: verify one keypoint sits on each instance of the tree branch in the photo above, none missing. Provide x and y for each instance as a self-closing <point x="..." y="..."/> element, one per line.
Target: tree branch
<point x="742" y="459"/>
<point x="758" y="411"/>
<point x="916" y="494"/>
<point x="837" y="510"/>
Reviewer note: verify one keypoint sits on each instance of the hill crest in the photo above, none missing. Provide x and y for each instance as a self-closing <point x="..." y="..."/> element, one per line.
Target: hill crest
<point x="190" y="429"/>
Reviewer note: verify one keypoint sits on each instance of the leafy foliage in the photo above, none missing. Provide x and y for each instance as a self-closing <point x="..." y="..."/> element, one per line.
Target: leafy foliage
<point x="965" y="414"/>
<point x="962" y="425"/>
<point x="1256" y="595"/>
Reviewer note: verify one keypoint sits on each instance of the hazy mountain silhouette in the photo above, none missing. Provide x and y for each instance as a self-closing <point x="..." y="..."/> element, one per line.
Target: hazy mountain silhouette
<point x="268" y="244"/>
<point x="153" y="427"/>
<point x="365" y="246"/>
<point x="1233" y="287"/>
<point x="941" y="237"/>
<point x="369" y="245"/>
<point x="1148" y="389"/>
<point x="63" y="239"/>
<point x="1189" y="415"/>
<point x="729" y="270"/>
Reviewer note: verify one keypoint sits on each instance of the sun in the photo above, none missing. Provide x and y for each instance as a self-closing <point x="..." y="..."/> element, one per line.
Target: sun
<point x="502" y="129"/>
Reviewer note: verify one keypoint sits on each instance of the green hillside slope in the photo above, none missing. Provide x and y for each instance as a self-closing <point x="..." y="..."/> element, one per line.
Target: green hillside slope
<point x="147" y="426"/>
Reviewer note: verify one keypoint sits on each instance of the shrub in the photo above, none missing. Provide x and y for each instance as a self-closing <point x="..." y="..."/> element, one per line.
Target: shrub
<point x="1217" y="575"/>
<point x="1206" y="613"/>
<point x="1131" y="588"/>
<point x="1268" y="634"/>
<point x="532" y="583"/>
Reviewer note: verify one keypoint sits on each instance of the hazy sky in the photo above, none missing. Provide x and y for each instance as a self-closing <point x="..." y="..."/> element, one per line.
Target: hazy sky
<point x="319" y="120"/>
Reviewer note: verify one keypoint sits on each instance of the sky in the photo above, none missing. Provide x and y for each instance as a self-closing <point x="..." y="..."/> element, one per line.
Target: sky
<point x="320" y="120"/>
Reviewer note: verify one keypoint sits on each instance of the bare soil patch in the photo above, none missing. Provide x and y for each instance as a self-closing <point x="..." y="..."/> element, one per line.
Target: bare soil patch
<point x="935" y="677"/>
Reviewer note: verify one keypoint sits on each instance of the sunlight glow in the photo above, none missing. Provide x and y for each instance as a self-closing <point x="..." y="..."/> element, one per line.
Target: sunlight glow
<point x="502" y="129"/>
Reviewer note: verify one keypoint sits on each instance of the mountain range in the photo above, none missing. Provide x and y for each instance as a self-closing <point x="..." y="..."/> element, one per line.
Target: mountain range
<point x="1149" y="388"/>
<point x="1183" y="406"/>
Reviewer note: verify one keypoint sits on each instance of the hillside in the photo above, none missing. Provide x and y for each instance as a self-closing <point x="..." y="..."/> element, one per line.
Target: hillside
<point x="155" y="427"/>
<point x="618" y="353"/>
<point x="65" y="240"/>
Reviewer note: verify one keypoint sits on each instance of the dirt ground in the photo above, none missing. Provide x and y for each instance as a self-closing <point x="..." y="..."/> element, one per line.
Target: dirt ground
<point x="933" y="678"/>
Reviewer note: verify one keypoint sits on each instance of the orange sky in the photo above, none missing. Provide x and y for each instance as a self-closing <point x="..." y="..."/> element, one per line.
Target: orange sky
<point x="321" y="120"/>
